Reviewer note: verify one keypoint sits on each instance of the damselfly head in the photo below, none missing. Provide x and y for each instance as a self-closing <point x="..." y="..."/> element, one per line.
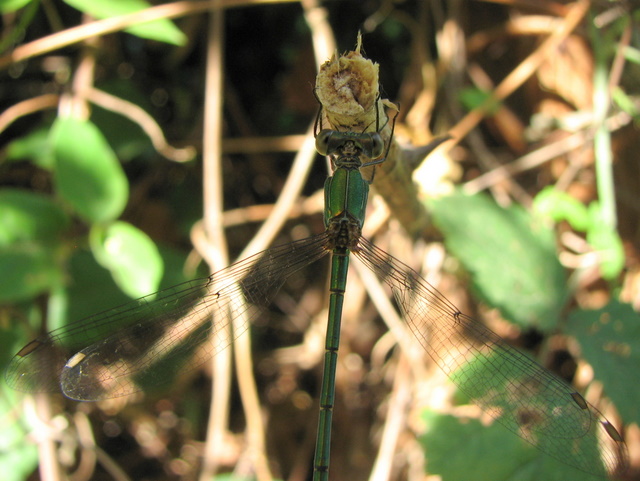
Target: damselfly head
<point x="329" y="142"/>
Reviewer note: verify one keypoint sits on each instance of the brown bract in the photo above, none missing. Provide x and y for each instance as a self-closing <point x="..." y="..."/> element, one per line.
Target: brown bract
<point x="347" y="88"/>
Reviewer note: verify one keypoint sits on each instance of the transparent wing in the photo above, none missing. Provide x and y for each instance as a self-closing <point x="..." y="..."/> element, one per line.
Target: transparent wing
<point x="146" y="342"/>
<point x="515" y="390"/>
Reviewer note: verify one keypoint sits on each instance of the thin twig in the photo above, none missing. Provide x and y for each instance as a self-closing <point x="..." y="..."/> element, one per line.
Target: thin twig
<point x="88" y="455"/>
<point x="389" y="315"/>
<point x="217" y="248"/>
<point x="138" y="115"/>
<point x="290" y="194"/>
<point x="111" y="466"/>
<point x="252" y="145"/>
<point x="49" y="466"/>
<point x="395" y="421"/>
<point x="520" y="74"/>
<point x="27" y="107"/>
<point x="98" y="28"/>
<point x="286" y="201"/>
<point x="109" y="102"/>
<point x="543" y="154"/>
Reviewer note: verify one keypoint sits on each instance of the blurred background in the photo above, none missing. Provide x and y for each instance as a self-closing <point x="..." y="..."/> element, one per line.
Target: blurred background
<point x="527" y="221"/>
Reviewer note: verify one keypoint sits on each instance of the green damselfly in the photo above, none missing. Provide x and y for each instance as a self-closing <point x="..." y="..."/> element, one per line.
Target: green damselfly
<point x="119" y="351"/>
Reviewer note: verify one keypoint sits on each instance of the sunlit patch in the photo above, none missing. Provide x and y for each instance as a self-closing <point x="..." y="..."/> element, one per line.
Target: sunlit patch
<point x="622" y="349"/>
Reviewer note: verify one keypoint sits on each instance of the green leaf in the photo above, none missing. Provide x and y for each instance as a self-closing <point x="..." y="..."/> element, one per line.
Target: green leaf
<point x="521" y="395"/>
<point x="92" y="288"/>
<point x="608" y="245"/>
<point x="130" y="255"/>
<point x="609" y="340"/>
<point x="624" y="101"/>
<point x="18" y="452"/>
<point x="510" y="255"/>
<point x="161" y="30"/>
<point x="630" y="53"/>
<point x="33" y="147"/>
<point x="606" y="242"/>
<point x="461" y="449"/>
<point x="477" y="375"/>
<point x="561" y="206"/>
<point x="472" y="98"/>
<point x="8" y="6"/>
<point x="26" y="215"/>
<point x="87" y="173"/>
<point x="126" y="137"/>
<point x="28" y="269"/>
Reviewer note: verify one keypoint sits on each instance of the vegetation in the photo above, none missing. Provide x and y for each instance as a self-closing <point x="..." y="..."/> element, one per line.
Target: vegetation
<point x="527" y="220"/>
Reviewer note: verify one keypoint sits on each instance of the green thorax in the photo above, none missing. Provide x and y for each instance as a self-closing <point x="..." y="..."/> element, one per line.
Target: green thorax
<point x="345" y="197"/>
<point x="346" y="192"/>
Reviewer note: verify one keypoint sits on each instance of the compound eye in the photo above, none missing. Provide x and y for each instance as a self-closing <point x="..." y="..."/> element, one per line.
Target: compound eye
<point x="322" y="141"/>
<point x="376" y="146"/>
